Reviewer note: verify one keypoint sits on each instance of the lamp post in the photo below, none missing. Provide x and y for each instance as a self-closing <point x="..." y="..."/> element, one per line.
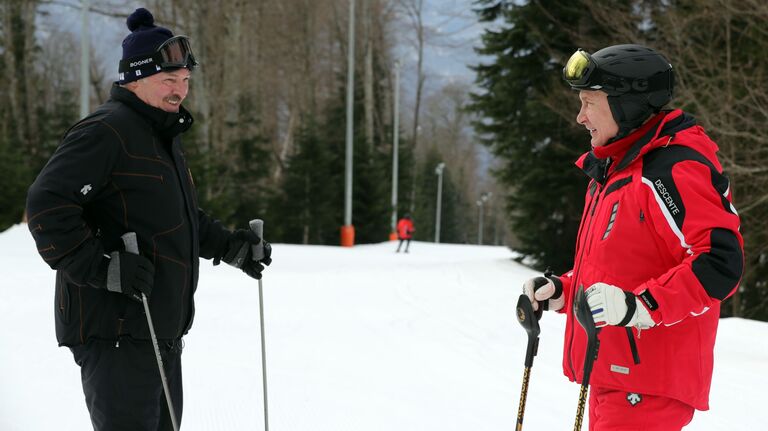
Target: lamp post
<point x="395" y="143"/>
<point x="438" y="209"/>
<point x="480" y="204"/>
<point x="348" y="230"/>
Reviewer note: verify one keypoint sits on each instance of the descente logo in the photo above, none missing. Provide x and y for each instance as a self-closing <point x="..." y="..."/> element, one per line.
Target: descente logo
<point x="140" y="62"/>
<point x="666" y="196"/>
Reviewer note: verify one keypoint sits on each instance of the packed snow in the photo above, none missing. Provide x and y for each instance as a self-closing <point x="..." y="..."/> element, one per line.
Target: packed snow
<point x="357" y="339"/>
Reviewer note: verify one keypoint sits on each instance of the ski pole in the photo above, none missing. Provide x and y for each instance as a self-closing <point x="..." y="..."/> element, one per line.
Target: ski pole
<point x="584" y="317"/>
<point x="529" y="319"/>
<point x="257" y="226"/>
<point x="132" y="246"/>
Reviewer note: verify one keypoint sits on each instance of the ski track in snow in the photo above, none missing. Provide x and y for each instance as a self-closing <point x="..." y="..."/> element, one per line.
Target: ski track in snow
<point x="359" y="339"/>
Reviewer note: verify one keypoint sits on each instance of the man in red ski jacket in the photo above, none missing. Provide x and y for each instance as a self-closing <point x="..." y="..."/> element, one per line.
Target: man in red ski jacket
<point x="658" y="248"/>
<point x="405" y="231"/>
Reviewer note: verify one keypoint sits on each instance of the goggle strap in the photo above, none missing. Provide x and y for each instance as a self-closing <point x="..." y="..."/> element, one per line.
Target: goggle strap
<point x="135" y="68"/>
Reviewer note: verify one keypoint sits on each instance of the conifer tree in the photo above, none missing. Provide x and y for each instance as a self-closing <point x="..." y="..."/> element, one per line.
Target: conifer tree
<point x="426" y="193"/>
<point x="537" y="147"/>
<point x="309" y="199"/>
<point x="454" y="225"/>
<point x="454" y="206"/>
<point x="16" y="180"/>
<point x="370" y="201"/>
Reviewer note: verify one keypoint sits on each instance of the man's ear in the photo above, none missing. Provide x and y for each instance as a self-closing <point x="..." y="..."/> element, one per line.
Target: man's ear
<point x="131" y="85"/>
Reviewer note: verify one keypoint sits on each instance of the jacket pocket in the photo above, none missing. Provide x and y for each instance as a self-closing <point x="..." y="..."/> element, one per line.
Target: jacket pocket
<point x="63" y="299"/>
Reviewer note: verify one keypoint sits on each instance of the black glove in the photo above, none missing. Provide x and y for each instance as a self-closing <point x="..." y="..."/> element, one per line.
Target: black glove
<point x="130" y="274"/>
<point x="239" y="252"/>
<point x="254" y="267"/>
<point x="547" y="291"/>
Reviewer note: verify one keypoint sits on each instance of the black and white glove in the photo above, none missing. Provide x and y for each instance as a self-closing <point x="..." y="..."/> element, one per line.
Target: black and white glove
<point x="613" y="306"/>
<point x="545" y="291"/>
<point x="130" y="274"/>
<point x="239" y="252"/>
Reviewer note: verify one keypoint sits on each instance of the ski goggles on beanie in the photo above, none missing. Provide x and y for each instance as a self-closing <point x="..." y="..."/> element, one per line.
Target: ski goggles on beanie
<point x="174" y="53"/>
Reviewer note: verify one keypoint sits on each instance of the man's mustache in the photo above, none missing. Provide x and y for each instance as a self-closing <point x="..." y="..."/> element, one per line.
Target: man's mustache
<point x="174" y="98"/>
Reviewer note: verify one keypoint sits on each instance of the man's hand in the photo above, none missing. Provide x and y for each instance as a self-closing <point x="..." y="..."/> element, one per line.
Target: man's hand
<point x="254" y="267"/>
<point x="239" y="252"/>
<point x="545" y="291"/>
<point x="130" y="274"/>
<point x="613" y="306"/>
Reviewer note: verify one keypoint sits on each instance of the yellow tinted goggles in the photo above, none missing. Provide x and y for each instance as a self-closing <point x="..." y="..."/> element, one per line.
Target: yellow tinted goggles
<point x="577" y="69"/>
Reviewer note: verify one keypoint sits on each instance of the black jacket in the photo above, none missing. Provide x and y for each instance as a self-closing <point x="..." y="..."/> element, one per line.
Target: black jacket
<point x="121" y="169"/>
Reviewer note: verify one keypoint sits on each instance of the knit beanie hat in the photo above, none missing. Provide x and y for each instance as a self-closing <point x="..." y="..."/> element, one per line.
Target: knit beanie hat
<point x="140" y="46"/>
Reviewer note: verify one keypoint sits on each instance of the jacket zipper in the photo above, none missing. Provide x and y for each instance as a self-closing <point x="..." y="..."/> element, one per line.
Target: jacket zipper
<point x="179" y="162"/>
<point x="590" y="214"/>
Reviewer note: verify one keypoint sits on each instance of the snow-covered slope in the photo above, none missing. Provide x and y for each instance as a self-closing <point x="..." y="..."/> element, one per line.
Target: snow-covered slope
<point x="357" y="339"/>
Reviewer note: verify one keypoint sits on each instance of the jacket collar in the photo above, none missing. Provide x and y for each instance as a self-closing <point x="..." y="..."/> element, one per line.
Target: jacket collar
<point x="167" y="124"/>
<point x="597" y="162"/>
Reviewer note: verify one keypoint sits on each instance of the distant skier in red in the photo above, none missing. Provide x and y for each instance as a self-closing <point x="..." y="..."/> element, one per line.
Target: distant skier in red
<point x="405" y="231"/>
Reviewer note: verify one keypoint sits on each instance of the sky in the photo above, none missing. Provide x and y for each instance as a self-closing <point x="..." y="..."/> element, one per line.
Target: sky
<point x="359" y="338"/>
<point x="453" y="32"/>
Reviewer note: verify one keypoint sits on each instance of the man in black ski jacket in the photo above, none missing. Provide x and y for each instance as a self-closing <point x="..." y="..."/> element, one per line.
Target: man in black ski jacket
<point x="119" y="170"/>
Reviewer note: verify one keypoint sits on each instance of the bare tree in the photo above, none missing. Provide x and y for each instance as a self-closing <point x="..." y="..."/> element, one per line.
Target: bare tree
<point x="413" y="11"/>
<point x="18" y="31"/>
<point x="446" y="127"/>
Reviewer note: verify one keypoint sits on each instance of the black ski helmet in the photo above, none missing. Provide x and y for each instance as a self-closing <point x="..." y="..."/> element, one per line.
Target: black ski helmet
<point x="638" y="80"/>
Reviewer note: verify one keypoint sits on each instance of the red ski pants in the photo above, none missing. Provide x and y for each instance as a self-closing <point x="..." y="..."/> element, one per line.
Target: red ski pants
<point x="612" y="410"/>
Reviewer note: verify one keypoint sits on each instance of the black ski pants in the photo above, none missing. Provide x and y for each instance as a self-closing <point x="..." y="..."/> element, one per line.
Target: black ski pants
<point x="407" y="244"/>
<point x="122" y="385"/>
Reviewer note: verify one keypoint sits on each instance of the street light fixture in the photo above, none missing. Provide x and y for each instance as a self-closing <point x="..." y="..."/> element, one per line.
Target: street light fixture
<point x="439" y="172"/>
<point x="485" y="197"/>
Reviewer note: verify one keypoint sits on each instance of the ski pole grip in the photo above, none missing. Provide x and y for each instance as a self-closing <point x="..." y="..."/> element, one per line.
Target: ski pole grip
<point x="530" y="322"/>
<point x="130" y="242"/>
<point x="257" y="226"/>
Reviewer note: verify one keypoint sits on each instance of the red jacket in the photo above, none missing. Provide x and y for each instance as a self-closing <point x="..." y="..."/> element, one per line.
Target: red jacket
<point x="405" y="228"/>
<point x="657" y="218"/>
